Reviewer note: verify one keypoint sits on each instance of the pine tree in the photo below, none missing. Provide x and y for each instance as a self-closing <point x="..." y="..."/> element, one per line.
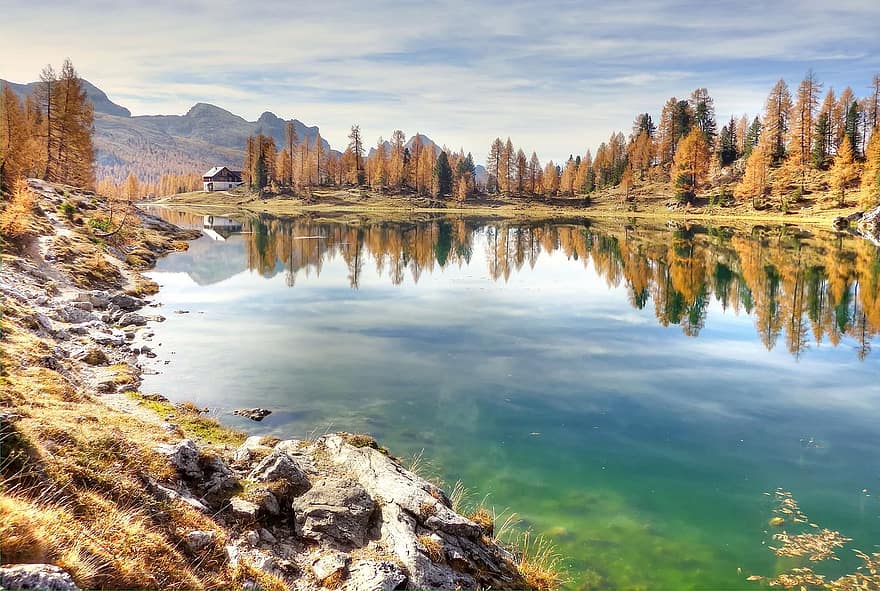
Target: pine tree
<point x="753" y="136"/>
<point x="534" y="174"/>
<point x="443" y="176"/>
<point x="851" y="128"/>
<point x="290" y="139"/>
<point x="493" y="165"/>
<point x="397" y="164"/>
<point x="703" y="108"/>
<point x="522" y="170"/>
<point x="728" y="153"/>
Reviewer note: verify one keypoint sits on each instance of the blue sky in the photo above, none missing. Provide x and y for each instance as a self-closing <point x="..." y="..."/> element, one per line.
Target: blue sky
<point x="557" y="77"/>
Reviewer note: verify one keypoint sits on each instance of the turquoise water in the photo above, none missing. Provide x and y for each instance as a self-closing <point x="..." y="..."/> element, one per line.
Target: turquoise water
<point x="629" y="392"/>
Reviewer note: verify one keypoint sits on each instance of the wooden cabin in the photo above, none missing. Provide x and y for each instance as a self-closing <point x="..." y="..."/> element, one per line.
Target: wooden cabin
<point x="221" y="178"/>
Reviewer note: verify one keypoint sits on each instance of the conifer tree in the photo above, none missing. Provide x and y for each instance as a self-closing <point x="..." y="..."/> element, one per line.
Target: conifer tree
<point x="290" y="139"/>
<point x="753" y="136"/>
<point x="845" y="170"/>
<point x="691" y="164"/>
<point x="442" y="176"/>
<point x="356" y="147"/>
<point x="535" y="173"/>
<point x="777" y="119"/>
<point x="396" y="164"/>
<point x="756" y="178"/>
<point x="803" y="125"/>
<point x="871" y="173"/>
<point x="550" y="179"/>
<point x="703" y="108"/>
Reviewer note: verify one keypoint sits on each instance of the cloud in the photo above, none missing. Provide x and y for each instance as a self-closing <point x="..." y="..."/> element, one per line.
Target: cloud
<point x="556" y="76"/>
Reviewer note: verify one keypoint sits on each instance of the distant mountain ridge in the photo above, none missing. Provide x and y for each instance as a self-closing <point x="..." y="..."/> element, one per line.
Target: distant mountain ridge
<point x="205" y="136"/>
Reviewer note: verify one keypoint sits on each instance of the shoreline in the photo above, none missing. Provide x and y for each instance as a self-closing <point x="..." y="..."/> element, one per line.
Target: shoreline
<point x="600" y="207"/>
<point x="237" y="511"/>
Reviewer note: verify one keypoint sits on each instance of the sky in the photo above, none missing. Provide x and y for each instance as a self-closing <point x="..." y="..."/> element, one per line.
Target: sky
<point x="557" y="77"/>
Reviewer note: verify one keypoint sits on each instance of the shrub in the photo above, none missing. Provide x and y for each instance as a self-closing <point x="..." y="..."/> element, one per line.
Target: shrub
<point x="16" y="216"/>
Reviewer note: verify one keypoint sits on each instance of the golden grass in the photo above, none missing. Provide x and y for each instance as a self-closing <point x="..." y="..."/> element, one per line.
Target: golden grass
<point x="191" y="419"/>
<point x="432" y="549"/>
<point x="539" y="562"/>
<point x="15" y="219"/>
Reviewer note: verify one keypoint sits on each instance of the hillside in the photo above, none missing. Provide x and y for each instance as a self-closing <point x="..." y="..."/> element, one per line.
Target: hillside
<point x="152" y="145"/>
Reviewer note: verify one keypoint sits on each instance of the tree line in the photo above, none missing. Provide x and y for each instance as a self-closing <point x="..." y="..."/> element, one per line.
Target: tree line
<point x="797" y="145"/>
<point x="49" y="134"/>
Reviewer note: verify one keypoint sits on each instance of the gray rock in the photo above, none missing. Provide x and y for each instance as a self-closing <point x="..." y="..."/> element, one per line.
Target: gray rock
<point x="251" y="446"/>
<point x="45" y="577"/>
<point x="267" y="536"/>
<point x="183" y="455"/>
<point x="373" y="575"/>
<point x="131" y="319"/>
<point x="43" y="322"/>
<point x="252" y="537"/>
<point x="127" y="302"/>
<point x="280" y="466"/>
<point x="110" y="340"/>
<point x="243" y="509"/>
<point x="329" y="564"/>
<point x="73" y="315"/>
<point x="199" y="540"/>
<point x="254" y="414"/>
<point x="87" y="306"/>
<point x="334" y="510"/>
<point x="219" y="478"/>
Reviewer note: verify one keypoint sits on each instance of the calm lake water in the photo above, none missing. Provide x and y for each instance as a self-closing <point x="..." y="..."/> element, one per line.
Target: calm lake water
<point x="630" y="392"/>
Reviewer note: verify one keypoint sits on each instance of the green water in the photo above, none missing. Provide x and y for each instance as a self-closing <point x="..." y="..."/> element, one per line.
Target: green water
<point x="629" y="392"/>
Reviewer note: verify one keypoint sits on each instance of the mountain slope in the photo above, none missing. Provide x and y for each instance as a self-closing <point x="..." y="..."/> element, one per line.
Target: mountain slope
<point x="153" y="145"/>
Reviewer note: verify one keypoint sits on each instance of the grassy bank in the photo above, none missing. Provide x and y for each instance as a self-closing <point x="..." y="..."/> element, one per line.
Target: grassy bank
<point x="652" y="202"/>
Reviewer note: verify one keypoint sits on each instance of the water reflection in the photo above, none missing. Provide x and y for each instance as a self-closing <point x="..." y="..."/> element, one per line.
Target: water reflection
<point x="802" y="286"/>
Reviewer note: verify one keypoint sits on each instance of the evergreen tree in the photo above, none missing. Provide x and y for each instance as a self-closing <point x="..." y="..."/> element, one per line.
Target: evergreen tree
<point x="753" y="136"/>
<point x="728" y="152"/>
<point x="443" y="176"/>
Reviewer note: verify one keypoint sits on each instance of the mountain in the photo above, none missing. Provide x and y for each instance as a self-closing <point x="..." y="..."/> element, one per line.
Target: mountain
<point x="153" y="145"/>
<point x="99" y="98"/>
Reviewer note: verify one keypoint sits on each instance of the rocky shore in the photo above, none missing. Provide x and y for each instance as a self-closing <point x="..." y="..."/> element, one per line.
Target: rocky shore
<point x="334" y="512"/>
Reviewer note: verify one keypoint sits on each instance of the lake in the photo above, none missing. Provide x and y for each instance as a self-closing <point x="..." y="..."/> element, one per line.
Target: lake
<point x="631" y="392"/>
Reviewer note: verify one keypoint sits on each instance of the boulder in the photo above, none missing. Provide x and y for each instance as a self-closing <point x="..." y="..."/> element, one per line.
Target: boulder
<point x="74" y="315"/>
<point x="127" y="302"/>
<point x="131" y="319"/>
<point x="335" y="510"/>
<point x="280" y="466"/>
<point x="329" y="565"/>
<point x="183" y="455"/>
<point x="199" y="540"/>
<point x="254" y="414"/>
<point x="243" y="510"/>
<point x="374" y="575"/>
<point x="45" y="577"/>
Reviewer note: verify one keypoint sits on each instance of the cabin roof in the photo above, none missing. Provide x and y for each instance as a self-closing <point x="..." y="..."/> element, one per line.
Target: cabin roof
<point x="214" y="171"/>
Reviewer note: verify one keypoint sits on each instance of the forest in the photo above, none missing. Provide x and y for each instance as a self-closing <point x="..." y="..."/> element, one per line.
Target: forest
<point x="800" y="144"/>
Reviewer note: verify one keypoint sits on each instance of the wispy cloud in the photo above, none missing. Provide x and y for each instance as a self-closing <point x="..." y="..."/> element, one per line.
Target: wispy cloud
<point x="555" y="76"/>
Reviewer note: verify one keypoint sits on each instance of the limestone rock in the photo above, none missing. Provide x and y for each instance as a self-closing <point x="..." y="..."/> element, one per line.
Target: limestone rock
<point x="280" y="466"/>
<point x="373" y="575"/>
<point x="131" y="319"/>
<point x="127" y="302"/>
<point x="44" y="577"/>
<point x="334" y="510"/>
<point x="329" y="565"/>
<point x="183" y="455"/>
<point x="243" y="509"/>
<point x="73" y="315"/>
<point x="199" y="540"/>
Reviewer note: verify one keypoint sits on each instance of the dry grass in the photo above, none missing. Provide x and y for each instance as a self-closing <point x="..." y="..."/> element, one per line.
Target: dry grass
<point x="191" y="419"/>
<point x="539" y="562"/>
<point x="432" y="549"/>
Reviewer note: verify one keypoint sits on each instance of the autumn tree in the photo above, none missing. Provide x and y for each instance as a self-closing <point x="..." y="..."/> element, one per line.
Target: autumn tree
<point x="871" y="173"/>
<point x="568" y="177"/>
<point x="535" y="174"/>
<point x="521" y="171"/>
<point x="752" y="137"/>
<point x="845" y="170"/>
<point x="290" y="140"/>
<point x="840" y="115"/>
<point x="379" y="172"/>
<point x="586" y="178"/>
<point x="691" y="164"/>
<point x="493" y="165"/>
<point x="550" y="179"/>
<point x="132" y="187"/>
<point x="777" y="119"/>
<point x="13" y="139"/>
<point x="756" y="178"/>
<point x="823" y="133"/>
<point x="802" y="126"/>
<point x="676" y="121"/>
